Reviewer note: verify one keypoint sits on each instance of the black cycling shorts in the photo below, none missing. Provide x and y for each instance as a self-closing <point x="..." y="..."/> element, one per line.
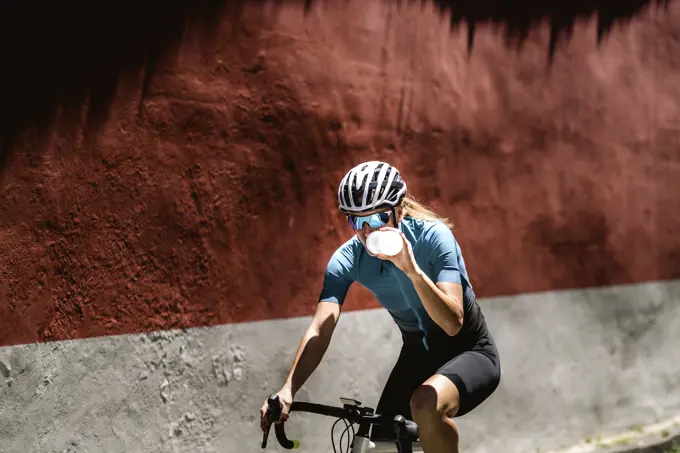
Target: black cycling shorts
<point x="470" y="361"/>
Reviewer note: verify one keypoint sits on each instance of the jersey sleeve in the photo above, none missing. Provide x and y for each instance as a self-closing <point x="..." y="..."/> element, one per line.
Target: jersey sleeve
<point x="443" y="255"/>
<point x="338" y="277"/>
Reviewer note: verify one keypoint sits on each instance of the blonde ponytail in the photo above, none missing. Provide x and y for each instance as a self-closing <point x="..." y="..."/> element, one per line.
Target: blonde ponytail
<point x="412" y="208"/>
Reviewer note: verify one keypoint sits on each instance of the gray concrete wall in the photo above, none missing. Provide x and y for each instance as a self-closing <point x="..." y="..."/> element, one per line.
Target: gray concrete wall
<point x="575" y="364"/>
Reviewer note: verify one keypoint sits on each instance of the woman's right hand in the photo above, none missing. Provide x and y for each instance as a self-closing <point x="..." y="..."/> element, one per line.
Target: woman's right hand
<point x="286" y="399"/>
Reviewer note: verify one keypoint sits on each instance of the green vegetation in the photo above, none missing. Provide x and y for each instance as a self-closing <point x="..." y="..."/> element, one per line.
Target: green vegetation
<point x="675" y="448"/>
<point x="622" y="441"/>
<point x="633" y="433"/>
<point x="637" y="428"/>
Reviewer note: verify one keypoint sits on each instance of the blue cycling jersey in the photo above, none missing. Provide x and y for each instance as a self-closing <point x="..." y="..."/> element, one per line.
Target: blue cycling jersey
<point x="437" y="253"/>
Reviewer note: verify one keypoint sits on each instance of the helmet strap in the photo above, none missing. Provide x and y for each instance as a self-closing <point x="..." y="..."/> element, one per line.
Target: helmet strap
<point x="394" y="217"/>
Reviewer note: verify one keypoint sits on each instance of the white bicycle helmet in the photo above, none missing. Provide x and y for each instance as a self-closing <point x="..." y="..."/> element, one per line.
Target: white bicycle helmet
<point x="369" y="186"/>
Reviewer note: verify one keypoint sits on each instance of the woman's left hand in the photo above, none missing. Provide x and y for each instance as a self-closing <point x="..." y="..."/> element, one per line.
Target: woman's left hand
<point x="404" y="260"/>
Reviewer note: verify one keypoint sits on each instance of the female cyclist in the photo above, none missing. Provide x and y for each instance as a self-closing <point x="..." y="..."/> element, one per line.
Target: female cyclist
<point x="448" y="363"/>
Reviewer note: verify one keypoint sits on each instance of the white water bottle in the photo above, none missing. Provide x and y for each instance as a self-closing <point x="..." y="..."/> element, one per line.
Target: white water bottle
<point x="387" y="242"/>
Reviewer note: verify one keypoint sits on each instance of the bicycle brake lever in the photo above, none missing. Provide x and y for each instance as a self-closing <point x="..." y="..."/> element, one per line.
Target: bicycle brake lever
<point x="273" y="414"/>
<point x="399" y="424"/>
<point x="265" y="435"/>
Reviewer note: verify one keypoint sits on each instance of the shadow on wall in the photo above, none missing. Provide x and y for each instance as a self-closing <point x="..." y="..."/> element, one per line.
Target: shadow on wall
<point x="520" y="16"/>
<point x="60" y="55"/>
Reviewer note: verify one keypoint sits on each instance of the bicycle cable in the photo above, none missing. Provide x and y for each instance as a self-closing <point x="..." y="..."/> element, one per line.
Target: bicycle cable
<point x="350" y="441"/>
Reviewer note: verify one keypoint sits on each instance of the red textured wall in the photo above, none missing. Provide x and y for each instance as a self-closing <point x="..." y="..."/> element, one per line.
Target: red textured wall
<point x="204" y="192"/>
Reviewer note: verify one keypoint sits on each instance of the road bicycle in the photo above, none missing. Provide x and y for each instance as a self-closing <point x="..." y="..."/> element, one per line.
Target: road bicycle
<point x="403" y="438"/>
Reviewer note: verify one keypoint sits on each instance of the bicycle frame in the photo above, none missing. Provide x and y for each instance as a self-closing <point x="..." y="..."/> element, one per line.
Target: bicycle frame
<point x="405" y="438"/>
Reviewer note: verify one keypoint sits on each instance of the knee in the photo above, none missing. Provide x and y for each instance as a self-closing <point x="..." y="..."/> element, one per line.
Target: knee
<point x="428" y="406"/>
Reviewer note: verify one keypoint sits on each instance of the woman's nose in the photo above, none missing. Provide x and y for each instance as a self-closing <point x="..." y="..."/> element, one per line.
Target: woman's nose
<point x="365" y="228"/>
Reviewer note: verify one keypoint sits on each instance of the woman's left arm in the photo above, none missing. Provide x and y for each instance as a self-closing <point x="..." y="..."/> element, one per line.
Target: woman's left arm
<point x="443" y="300"/>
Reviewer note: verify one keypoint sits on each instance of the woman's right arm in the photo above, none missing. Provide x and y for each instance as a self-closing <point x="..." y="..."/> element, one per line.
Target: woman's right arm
<point x="313" y="345"/>
<point x="309" y="354"/>
<point x="336" y="282"/>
